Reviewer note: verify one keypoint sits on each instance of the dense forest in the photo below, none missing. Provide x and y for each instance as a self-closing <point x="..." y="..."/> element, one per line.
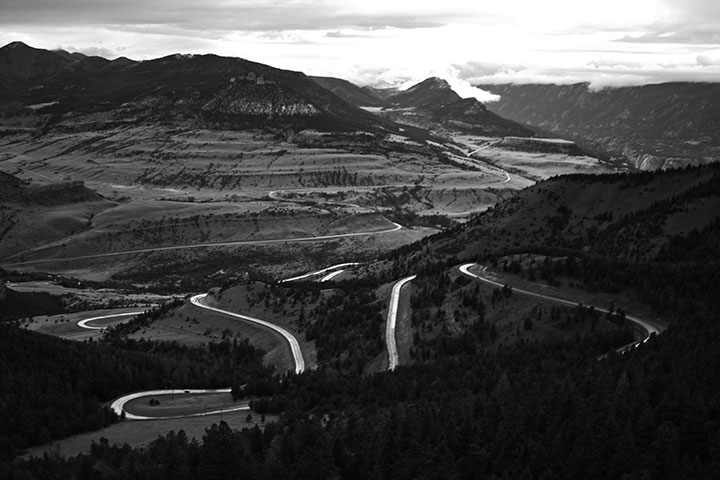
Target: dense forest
<point x="52" y="388"/>
<point x="528" y="411"/>
<point x="468" y="406"/>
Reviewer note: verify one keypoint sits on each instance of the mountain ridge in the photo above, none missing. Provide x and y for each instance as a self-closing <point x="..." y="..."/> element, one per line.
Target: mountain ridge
<point x="230" y="91"/>
<point x="652" y="126"/>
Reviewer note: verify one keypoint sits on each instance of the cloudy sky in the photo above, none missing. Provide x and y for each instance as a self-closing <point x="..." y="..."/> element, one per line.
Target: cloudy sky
<point x="393" y="42"/>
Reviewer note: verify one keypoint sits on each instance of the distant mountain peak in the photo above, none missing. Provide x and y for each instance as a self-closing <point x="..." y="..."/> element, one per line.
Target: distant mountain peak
<point x="431" y="91"/>
<point x="15" y="45"/>
<point x="431" y="82"/>
<point x="207" y="89"/>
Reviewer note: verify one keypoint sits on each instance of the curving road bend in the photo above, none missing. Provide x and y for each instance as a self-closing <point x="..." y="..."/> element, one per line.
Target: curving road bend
<point x="118" y="405"/>
<point x="294" y="345"/>
<point x="84" y="323"/>
<point x="648" y="327"/>
<point x="483" y="147"/>
<point x="393" y="358"/>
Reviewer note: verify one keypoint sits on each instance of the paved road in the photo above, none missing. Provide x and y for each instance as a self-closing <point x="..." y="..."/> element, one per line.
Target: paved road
<point x="648" y="327"/>
<point x="483" y="147"/>
<point x="331" y="275"/>
<point x="118" y="405"/>
<point x="84" y="323"/>
<point x="294" y="345"/>
<point x="321" y="238"/>
<point x="393" y="359"/>
<point x="319" y="272"/>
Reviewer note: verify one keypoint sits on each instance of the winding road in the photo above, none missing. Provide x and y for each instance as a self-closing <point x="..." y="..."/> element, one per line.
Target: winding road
<point x="118" y="405"/>
<point x="483" y="147"/>
<point x="648" y="327"/>
<point x="292" y="341"/>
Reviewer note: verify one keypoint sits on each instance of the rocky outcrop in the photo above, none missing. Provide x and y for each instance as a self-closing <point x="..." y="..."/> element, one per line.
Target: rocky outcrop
<point x="259" y="99"/>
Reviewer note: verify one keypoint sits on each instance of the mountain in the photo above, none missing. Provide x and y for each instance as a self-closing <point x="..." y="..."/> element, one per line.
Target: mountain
<point x="652" y="126"/>
<point x="23" y="67"/>
<point x="433" y="104"/>
<point x="429" y="93"/>
<point x="348" y="91"/>
<point x="231" y="92"/>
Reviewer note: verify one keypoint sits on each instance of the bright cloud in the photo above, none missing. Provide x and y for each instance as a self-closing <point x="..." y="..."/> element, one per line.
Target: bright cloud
<point x="380" y="42"/>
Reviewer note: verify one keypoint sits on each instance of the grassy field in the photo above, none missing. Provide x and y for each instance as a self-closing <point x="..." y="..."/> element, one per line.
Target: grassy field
<point x="65" y="325"/>
<point x="140" y="433"/>
<point x="181" y="404"/>
<point x="190" y="325"/>
<point x="166" y="187"/>
<point x="532" y="165"/>
<point x="251" y="300"/>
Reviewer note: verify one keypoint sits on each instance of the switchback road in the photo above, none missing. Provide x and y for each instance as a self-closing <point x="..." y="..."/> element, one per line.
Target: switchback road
<point x="292" y="341"/>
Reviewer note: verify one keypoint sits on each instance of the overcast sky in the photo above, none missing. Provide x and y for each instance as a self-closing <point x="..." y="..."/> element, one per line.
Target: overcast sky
<point x="393" y="42"/>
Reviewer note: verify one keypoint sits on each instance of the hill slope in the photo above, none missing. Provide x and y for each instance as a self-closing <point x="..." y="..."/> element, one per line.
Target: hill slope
<point x="348" y="91"/>
<point x="629" y="217"/>
<point x="653" y="126"/>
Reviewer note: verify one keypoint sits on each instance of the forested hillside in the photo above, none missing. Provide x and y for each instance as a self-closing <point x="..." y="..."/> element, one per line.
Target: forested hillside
<point x="53" y="388"/>
<point x="531" y="411"/>
<point x="470" y="406"/>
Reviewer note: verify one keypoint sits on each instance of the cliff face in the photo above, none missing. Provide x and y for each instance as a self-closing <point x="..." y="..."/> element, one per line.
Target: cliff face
<point x="652" y="126"/>
<point x="244" y="98"/>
